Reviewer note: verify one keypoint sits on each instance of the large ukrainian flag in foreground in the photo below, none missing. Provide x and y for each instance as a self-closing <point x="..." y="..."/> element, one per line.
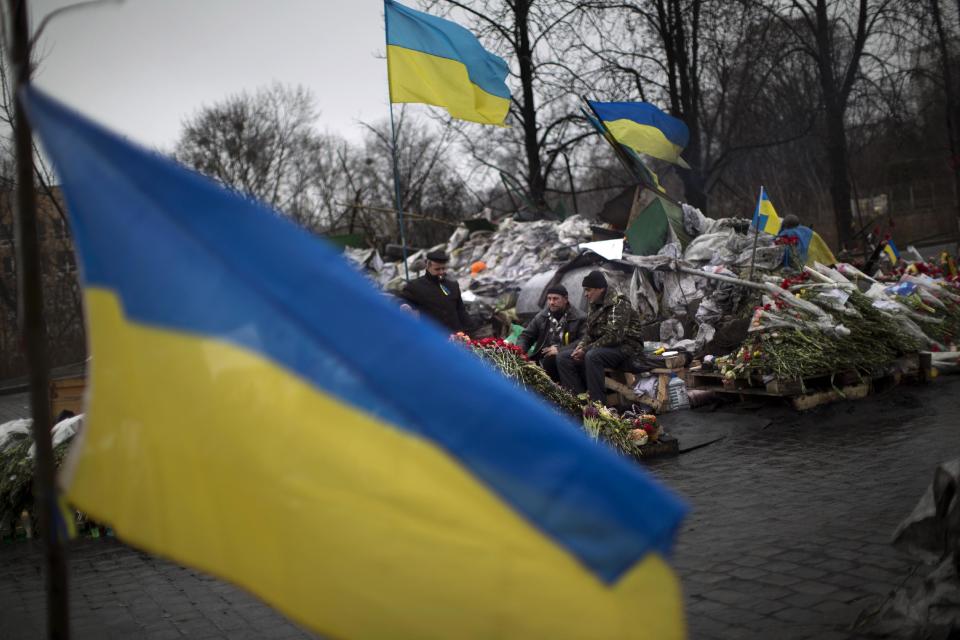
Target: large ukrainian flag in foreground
<point x="645" y="129"/>
<point x="260" y="412"/>
<point x="438" y="62"/>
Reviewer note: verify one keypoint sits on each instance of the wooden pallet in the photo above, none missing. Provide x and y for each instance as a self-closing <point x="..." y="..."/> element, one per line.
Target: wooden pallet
<point x="714" y="381"/>
<point x="668" y="446"/>
<point x="812" y="391"/>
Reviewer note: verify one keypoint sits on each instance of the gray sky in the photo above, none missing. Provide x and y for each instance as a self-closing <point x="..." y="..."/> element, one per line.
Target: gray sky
<point x="142" y="66"/>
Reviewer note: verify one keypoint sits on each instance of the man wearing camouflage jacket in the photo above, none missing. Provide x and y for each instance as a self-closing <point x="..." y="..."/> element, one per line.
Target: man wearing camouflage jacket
<point x="612" y="338"/>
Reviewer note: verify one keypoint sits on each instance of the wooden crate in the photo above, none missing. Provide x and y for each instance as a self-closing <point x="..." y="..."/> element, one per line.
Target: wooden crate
<point x="66" y="394"/>
<point x="622" y="384"/>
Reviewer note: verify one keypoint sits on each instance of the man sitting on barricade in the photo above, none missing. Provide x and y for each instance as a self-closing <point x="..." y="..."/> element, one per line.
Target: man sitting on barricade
<point x="612" y="338"/>
<point x="557" y="328"/>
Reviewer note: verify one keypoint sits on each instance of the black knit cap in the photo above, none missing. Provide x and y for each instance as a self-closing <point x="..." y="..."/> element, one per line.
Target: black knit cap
<point x="559" y="290"/>
<point x="438" y="256"/>
<point x="595" y="280"/>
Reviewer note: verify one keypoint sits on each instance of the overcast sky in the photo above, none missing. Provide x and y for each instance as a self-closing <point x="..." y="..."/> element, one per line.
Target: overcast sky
<point x="142" y="66"/>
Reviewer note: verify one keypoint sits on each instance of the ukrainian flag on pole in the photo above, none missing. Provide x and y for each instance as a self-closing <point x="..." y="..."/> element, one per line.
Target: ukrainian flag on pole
<point x="260" y="412"/>
<point x="434" y="61"/>
<point x="765" y="217"/>
<point x="890" y="249"/>
<point x="645" y="129"/>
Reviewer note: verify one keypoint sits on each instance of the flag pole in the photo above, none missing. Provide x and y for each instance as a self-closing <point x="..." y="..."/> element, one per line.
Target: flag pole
<point x="35" y="333"/>
<point x="756" y="236"/>
<point x="393" y="151"/>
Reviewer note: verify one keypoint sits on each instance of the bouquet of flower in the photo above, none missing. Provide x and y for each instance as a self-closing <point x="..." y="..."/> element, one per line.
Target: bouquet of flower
<point x="600" y="422"/>
<point x="847" y="333"/>
<point x="625" y="433"/>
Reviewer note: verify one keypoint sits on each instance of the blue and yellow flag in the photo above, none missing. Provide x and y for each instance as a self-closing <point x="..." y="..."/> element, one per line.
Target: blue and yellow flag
<point x="890" y="249"/>
<point x="260" y="412"/>
<point x="765" y="217"/>
<point x="647" y="176"/>
<point x="645" y="129"/>
<point x="435" y="61"/>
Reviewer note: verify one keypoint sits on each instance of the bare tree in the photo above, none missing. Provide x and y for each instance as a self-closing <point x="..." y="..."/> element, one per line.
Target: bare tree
<point x="834" y="35"/>
<point x="534" y="37"/>
<point x="430" y="184"/>
<point x="261" y="144"/>
<point x="718" y="66"/>
<point x="946" y="31"/>
<point x="62" y="301"/>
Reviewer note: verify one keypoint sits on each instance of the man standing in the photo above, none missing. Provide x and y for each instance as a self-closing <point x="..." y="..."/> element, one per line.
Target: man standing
<point x="437" y="296"/>
<point x="555" y="328"/>
<point x="612" y="337"/>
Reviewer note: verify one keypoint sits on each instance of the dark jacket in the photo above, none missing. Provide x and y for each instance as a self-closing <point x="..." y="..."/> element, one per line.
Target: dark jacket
<point x="545" y="330"/>
<point x="614" y="323"/>
<point x="426" y="294"/>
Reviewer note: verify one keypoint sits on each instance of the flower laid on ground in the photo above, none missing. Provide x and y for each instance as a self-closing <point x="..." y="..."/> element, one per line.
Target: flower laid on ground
<point x="591" y="421"/>
<point x="789" y="344"/>
<point x="600" y="422"/>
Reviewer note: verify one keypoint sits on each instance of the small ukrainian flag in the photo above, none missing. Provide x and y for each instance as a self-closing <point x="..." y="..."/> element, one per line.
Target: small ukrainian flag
<point x="765" y="217"/>
<point x="891" y="250"/>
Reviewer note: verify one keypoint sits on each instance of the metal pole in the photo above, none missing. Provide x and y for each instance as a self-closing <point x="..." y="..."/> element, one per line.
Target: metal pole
<point x="622" y="156"/>
<point x="756" y="237"/>
<point x="393" y="149"/>
<point x="753" y="255"/>
<point x="722" y="278"/>
<point x="35" y="333"/>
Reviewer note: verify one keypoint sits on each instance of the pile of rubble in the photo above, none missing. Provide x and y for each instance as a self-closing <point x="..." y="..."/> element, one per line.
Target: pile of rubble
<point x="512" y="255"/>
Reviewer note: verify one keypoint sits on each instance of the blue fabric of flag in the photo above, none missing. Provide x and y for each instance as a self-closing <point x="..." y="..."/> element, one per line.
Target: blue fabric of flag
<point x="245" y="276"/>
<point x="419" y="31"/>
<point x="644" y="113"/>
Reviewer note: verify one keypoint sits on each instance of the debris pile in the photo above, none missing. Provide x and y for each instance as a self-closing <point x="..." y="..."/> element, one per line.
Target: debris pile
<point x="723" y="290"/>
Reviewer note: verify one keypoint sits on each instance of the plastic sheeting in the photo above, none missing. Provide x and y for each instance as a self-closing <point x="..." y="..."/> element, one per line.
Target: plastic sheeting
<point x="13" y="430"/>
<point x="726" y="247"/>
<point x="931" y="534"/>
<point x="62" y="431"/>
<point x="523" y="258"/>
<point x="514" y="253"/>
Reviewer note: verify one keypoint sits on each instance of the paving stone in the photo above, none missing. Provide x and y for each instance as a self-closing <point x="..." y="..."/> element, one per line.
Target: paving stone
<point x="808" y="573"/>
<point x="813" y="587"/>
<point x="778" y="579"/>
<point x="747" y="573"/>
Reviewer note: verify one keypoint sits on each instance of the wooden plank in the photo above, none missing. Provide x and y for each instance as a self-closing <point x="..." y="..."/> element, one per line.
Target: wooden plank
<point x="811" y="400"/>
<point x="628" y="393"/>
<point x="663" y="400"/>
<point x="66" y="394"/>
<point x="785" y="387"/>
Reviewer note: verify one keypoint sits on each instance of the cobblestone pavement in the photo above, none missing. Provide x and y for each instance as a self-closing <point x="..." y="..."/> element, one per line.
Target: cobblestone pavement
<point x="117" y="592"/>
<point x="793" y="514"/>
<point x="788" y="537"/>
